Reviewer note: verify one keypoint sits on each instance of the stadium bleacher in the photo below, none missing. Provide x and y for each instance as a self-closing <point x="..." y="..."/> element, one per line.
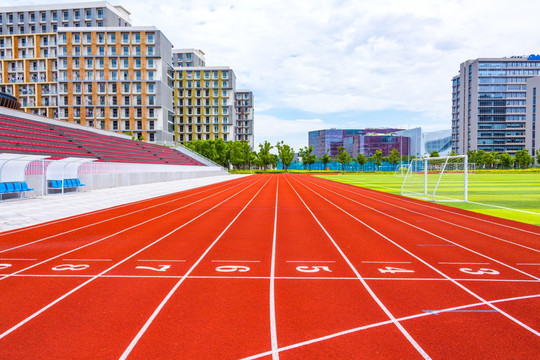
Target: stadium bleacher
<point x="32" y="137"/>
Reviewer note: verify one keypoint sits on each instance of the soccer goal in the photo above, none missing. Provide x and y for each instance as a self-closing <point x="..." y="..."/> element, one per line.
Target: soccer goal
<point x="437" y="179"/>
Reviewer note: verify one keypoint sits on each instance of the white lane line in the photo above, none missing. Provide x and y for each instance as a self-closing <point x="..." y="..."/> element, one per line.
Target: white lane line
<point x="310" y="261"/>
<point x="423" y="204"/>
<point x="236" y="261"/>
<point x="6" y="259"/>
<point x="506" y="208"/>
<point x="531" y="264"/>
<point x="141" y="332"/>
<point x="462" y="263"/>
<point x="116" y="233"/>
<point x="151" y="260"/>
<point x="105" y="220"/>
<point x="387" y="262"/>
<point x="53" y="222"/>
<point x="266" y="278"/>
<point x="273" y="326"/>
<point x="383" y="323"/>
<point x="364" y="283"/>
<point x="45" y="308"/>
<point x="86" y="259"/>
<point x="510" y="317"/>
<point x="419" y="228"/>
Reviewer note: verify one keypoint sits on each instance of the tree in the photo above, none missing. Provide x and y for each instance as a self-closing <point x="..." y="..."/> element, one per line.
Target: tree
<point x="362" y="160"/>
<point x="326" y="158"/>
<point x="222" y="152"/>
<point x="538" y="157"/>
<point x="264" y="157"/>
<point x="285" y="153"/>
<point x="523" y="158"/>
<point x="236" y="156"/>
<point x="479" y="159"/>
<point x="506" y="159"/>
<point x="394" y="157"/>
<point x="377" y="158"/>
<point x="343" y="157"/>
<point x="308" y="158"/>
<point x="489" y="158"/>
<point x="434" y="154"/>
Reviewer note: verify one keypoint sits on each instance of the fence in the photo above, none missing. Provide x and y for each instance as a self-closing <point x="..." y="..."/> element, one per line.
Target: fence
<point x="48" y="176"/>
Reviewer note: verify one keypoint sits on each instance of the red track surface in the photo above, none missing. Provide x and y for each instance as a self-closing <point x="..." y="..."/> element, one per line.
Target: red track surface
<point x="272" y="266"/>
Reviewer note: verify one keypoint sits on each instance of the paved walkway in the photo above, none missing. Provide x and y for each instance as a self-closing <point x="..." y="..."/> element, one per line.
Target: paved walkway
<point x="21" y="213"/>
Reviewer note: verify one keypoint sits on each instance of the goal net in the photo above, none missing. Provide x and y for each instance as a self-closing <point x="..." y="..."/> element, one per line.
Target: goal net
<point x="437" y="179"/>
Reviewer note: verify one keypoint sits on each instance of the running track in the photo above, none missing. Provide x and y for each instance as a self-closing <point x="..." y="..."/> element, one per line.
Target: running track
<point x="272" y="267"/>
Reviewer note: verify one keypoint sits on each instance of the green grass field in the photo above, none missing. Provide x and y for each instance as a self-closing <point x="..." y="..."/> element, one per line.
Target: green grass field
<point x="512" y="196"/>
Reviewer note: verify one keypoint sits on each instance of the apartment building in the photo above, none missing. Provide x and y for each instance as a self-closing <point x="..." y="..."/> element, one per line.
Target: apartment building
<point x="244" y="117"/>
<point x="116" y="78"/>
<point x="84" y="63"/>
<point x="491" y="105"/>
<point x="188" y="58"/>
<point x="28" y="48"/>
<point x="204" y="103"/>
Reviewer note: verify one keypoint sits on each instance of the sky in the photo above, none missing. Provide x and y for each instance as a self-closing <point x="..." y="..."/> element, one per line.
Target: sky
<point x="319" y="64"/>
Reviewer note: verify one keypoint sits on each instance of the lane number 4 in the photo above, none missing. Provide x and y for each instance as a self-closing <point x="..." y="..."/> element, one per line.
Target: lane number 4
<point x="394" y="270"/>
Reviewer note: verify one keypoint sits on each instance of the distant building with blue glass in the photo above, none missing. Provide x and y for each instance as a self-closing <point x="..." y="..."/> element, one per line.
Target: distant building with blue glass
<point x="358" y="141"/>
<point x="494" y="105"/>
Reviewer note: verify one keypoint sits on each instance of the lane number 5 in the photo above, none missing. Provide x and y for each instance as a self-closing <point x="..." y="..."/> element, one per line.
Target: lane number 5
<point x="313" y="269"/>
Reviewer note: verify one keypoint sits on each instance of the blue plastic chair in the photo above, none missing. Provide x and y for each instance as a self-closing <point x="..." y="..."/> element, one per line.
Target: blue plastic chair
<point x="10" y="187"/>
<point x="24" y="186"/>
<point x="17" y="186"/>
<point x="3" y="188"/>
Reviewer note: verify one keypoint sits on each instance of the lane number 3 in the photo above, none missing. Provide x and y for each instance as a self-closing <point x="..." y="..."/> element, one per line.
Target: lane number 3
<point x="480" y="271"/>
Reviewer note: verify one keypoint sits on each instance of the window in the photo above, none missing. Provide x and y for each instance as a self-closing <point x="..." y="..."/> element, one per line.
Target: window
<point x="125" y="38"/>
<point x="150" y="38"/>
<point x="88" y="14"/>
<point x="77" y="15"/>
<point x="54" y="16"/>
<point x="125" y="50"/>
<point x="76" y="39"/>
<point x="32" y="17"/>
<point x="150" y="50"/>
<point x="137" y="38"/>
<point x="100" y="13"/>
<point x="21" y="18"/>
<point x="65" y="15"/>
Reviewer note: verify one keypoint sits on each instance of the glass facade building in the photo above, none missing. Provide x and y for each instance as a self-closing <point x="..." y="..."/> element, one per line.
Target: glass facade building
<point x="358" y="141"/>
<point x="489" y="105"/>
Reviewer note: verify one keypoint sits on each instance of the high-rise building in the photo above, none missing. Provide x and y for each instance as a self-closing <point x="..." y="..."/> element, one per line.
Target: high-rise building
<point x="188" y="58"/>
<point x="85" y="63"/>
<point x="490" y="102"/>
<point x="244" y="117"/>
<point x="116" y="78"/>
<point x="204" y="103"/>
<point x="28" y="47"/>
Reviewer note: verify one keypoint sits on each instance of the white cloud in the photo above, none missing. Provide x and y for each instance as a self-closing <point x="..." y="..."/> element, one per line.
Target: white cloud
<point x="330" y="56"/>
